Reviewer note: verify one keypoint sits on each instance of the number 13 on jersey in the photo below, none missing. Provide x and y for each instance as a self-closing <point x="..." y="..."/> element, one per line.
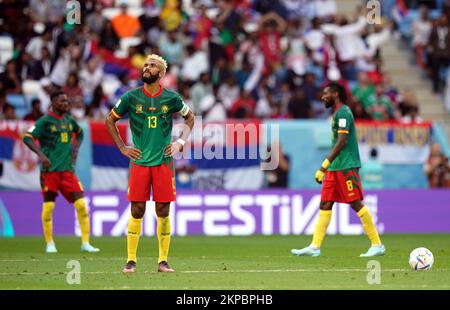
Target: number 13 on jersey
<point x="152" y="121"/>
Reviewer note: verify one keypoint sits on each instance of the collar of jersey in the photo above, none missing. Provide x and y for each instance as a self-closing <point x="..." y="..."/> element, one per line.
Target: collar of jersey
<point x="338" y="106"/>
<point x="150" y="95"/>
<point x="55" y="115"/>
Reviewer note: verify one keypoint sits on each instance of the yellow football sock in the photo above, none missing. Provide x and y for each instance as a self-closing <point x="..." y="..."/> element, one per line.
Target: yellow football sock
<point x="134" y="232"/>
<point x="47" y="220"/>
<point x="83" y="219"/>
<point x="163" y="231"/>
<point x="321" y="227"/>
<point x="369" y="226"/>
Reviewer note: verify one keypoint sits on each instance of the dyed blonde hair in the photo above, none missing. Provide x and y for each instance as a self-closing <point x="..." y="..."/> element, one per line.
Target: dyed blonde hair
<point x="160" y="61"/>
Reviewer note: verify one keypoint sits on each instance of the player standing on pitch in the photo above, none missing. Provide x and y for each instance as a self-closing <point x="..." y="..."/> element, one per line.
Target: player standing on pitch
<point x="339" y="173"/>
<point x="58" y="157"/>
<point x="150" y="109"/>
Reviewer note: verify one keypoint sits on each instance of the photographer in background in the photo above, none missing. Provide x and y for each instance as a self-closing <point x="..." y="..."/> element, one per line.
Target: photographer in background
<point x="437" y="168"/>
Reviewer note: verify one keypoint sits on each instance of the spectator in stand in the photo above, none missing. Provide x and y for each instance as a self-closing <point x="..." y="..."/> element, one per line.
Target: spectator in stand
<point x="349" y="44"/>
<point x="108" y="37"/>
<point x="201" y="26"/>
<point x="421" y="34"/>
<point x="78" y="109"/>
<point x="149" y="20"/>
<point x="439" y="45"/>
<point x="36" y="111"/>
<point x="271" y="28"/>
<point x="41" y="68"/>
<point x="315" y="38"/>
<point x="437" y="168"/>
<point x="40" y="11"/>
<point x="95" y="20"/>
<point x="8" y="112"/>
<point x="72" y="88"/>
<point x="228" y="92"/>
<point x="34" y="47"/>
<point x="67" y="62"/>
<point x="389" y="89"/>
<point x="358" y="110"/>
<point x="172" y="48"/>
<point x="299" y="106"/>
<point x="244" y="106"/>
<point x="171" y="15"/>
<point x="213" y="109"/>
<point x="220" y="71"/>
<point x="100" y="107"/>
<point x="278" y="178"/>
<point x="200" y="90"/>
<point x="195" y="63"/>
<point x="372" y="171"/>
<point x="3" y="103"/>
<point x="412" y="116"/>
<point x="408" y="100"/>
<point x="10" y="79"/>
<point x="124" y="24"/>
<point x="379" y="106"/>
<point x="363" y="90"/>
<point x="123" y="88"/>
<point x="90" y="78"/>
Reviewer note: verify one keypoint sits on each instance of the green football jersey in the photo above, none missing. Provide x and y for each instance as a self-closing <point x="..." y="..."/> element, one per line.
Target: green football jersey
<point x="150" y="121"/>
<point x="343" y="122"/>
<point x="54" y="134"/>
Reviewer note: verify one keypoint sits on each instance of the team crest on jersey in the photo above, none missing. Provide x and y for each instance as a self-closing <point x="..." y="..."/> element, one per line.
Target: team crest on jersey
<point x="139" y="108"/>
<point x="53" y="128"/>
<point x="164" y="109"/>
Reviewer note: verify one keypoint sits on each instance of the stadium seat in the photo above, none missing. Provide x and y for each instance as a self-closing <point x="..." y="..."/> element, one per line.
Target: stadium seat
<point x="30" y="90"/>
<point x="109" y="86"/>
<point x="6" y="49"/>
<point x="109" y="13"/>
<point x="130" y="3"/>
<point x="19" y="104"/>
<point x="125" y="43"/>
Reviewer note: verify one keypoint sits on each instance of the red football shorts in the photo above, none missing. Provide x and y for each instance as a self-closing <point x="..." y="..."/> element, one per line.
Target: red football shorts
<point x="342" y="186"/>
<point x="65" y="182"/>
<point x="161" y="178"/>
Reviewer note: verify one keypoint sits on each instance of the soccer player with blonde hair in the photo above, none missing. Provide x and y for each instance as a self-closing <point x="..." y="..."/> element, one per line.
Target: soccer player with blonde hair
<point x="150" y="109"/>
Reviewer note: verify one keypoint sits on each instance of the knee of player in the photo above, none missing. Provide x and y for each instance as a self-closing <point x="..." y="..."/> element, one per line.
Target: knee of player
<point x="326" y="205"/>
<point x="162" y="209"/>
<point x="138" y="211"/>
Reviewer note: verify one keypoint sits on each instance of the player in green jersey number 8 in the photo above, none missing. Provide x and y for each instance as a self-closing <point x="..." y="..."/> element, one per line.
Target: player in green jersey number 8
<point x="340" y="177"/>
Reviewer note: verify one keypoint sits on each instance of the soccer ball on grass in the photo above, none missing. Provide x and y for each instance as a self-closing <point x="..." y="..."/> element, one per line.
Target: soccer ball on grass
<point x="421" y="259"/>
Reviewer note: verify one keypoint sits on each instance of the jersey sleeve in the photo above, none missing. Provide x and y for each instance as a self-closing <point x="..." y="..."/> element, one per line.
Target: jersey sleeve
<point x="180" y="107"/>
<point x="37" y="130"/>
<point x="121" y="107"/>
<point x="75" y="127"/>
<point x="344" y="121"/>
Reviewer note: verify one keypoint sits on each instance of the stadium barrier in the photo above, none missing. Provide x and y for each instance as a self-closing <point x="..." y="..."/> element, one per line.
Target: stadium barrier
<point x="402" y="149"/>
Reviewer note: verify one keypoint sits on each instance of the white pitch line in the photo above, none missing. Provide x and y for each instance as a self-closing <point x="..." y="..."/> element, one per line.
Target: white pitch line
<point x="123" y="259"/>
<point x="209" y="271"/>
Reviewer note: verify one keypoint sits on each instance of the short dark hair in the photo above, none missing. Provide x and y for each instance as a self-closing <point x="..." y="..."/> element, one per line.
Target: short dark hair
<point x="35" y="101"/>
<point x="373" y="153"/>
<point x="336" y="87"/>
<point x="56" y="94"/>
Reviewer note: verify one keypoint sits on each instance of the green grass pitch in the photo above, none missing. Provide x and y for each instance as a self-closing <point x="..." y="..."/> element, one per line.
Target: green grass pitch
<point x="256" y="262"/>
